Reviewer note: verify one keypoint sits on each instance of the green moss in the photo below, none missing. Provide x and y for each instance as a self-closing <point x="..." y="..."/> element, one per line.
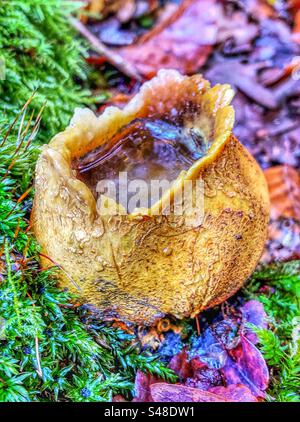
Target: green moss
<point x="47" y="349"/>
<point x="278" y="288"/>
<point x="50" y="349"/>
<point x="39" y="51"/>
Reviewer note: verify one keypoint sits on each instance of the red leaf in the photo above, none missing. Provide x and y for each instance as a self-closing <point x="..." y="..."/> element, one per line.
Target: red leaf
<point x="181" y="365"/>
<point x="163" y="392"/>
<point x="246" y="365"/>
<point x="142" y="387"/>
<point x="119" y="399"/>
<point x="238" y="392"/>
<point x="224" y="354"/>
<point x="179" y="43"/>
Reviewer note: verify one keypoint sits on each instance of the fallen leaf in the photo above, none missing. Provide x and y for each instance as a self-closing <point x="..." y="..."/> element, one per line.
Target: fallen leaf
<point x="259" y="9"/>
<point x="142" y="387"/>
<point x="239" y="393"/>
<point x="296" y="29"/>
<point x="183" y="42"/>
<point x="245" y="365"/>
<point x="254" y="313"/>
<point x="243" y="77"/>
<point x="224" y="346"/>
<point x="119" y="399"/>
<point x="127" y="10"/>
<point x="203" y="377"/>
<point x="284" y="188"/>
<point x="181" y="365"/>
<point x="236" y="27"/>
<point x="283" y="243"/>
<point x="111" y="32"/>
<point x="163" y="392"/>
<point x="222" y="361"/>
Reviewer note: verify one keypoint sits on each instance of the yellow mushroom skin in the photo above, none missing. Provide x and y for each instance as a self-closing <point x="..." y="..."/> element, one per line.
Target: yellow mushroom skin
<point x="142" y="266"/>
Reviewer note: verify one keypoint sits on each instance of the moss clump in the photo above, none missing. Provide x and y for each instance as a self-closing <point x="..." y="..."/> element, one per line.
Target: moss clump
<point x="278" y="287"/>
<point x="50" y="348"/>
<point x="39" y="51"/>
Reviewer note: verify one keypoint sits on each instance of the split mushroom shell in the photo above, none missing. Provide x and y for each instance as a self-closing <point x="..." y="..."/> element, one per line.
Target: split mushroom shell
<point x="141" y="266"/>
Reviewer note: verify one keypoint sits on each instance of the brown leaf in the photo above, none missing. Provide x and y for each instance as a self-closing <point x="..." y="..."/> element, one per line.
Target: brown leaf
<point x="224" y="348"/>
<point x="183" y="42"/>
<point x="163" y="392"/>
<point x="284" y="188"/>
<point x="127" y="10"/>
<point x="118" y="100"/>
<point x="283" y="242"/>
<point x="259" y="9"/>
<point x="296" y="29"/>
<point x="243" y="77"/>
<point x="203" y="377"/>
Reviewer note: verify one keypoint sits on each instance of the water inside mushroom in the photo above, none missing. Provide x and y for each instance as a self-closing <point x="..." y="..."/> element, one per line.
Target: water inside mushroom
<point x="146" y="149"/>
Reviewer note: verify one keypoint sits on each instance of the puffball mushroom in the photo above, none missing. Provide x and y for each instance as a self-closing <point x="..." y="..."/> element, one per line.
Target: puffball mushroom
<point x="142" y="264"/>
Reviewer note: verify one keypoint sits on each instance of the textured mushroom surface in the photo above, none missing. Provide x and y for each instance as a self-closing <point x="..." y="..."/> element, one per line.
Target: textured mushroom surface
<point x="141" y="265"/>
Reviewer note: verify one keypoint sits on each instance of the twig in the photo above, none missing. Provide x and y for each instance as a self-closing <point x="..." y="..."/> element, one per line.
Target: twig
<point x="166" y="21"/>
<point x="37" y="352"/>
<point x="38" y="360"/>
<point x="16" y="118"/>
<point x="198" y="324"/>
<point x="23" y="196"/>
<point x="62" y="269"/>
<point x="112" y="57"/>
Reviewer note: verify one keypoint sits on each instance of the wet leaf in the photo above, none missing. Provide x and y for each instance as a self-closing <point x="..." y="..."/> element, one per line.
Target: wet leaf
<point x="239" y="393"/>
<point x="284" y="188"/>
<point x="163" y="392"/>
<point x="254" y="313"/>
<point x="142" y="387"/>
<point x="179" y="44"/>
<point x="203" y="377"/>
<point x="127" y="11"/>
<point x="226" y="348"/>
<point x="224" y="354"/>
<point x="111" y="33"/>
<point x="245" y="365"/>
<point x="243" y="77"/>
<point x="259" y="9"/>
<point x="283" y="243"/>
<point x="181" y="365"/>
